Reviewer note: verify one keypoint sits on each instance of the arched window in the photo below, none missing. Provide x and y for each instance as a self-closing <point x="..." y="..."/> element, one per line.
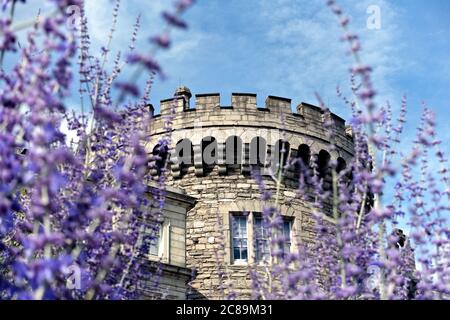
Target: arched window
<point x="304" y="156"/>
<point x="160" y="154"/>
<point x="323" y="168"/>
<point x="280" y="155"/>
<point x="323" y="163"/>
<point x="233" y="150"/>
<point x="233" y="153"/>
<point x="341" y="165"/>
<point x="342" y="174"/>
<point x="301" y="164"/>
<point x="209" y="154"/>
<point x="185" y="154"/>
<point x="400" y="238"/>
<point x="258" y="151"/>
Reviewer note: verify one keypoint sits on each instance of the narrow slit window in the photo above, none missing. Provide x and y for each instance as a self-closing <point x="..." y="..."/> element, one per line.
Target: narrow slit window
<point x="287" y="235"/>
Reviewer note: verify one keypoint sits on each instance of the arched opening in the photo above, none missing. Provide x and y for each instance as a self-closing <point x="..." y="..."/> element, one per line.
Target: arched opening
<point x="342" y="173"/>
<point x="233" y="153"/>
<point x="209" y="154"/>
<point x="258" y="151"/>
<point x="304" y="156"/>
<point x="185" y="154"/>
<point x="160" y="155"/>
<point x="302" y="164"/>
<point x="400" y="238"/>
<point x="323" y="169"/>
<point x="341" y="165"/>
<point x="280" y="155"/>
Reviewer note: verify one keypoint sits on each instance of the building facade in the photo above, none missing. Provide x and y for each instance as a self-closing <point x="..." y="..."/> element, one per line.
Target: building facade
<point x="214" y="209"/>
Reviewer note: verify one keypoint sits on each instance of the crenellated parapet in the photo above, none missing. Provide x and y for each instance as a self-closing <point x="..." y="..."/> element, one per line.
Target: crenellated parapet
<point x="209" y="124"/>
<point x="243" y="103"/>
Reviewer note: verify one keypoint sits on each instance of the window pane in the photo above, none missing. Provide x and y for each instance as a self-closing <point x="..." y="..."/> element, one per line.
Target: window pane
<point x="244" y="254"/>
<point x="236" y="254"/>
<point x="261" y="239"/>
<point x="262" y="251"/>
<point x="242" y="226"/>
<point x="239" y="232"/>
<point x="287" y="226"/>
<point x="154" y="245"/>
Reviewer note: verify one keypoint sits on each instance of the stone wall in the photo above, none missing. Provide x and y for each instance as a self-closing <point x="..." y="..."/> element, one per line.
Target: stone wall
<point x="166" y="282"/>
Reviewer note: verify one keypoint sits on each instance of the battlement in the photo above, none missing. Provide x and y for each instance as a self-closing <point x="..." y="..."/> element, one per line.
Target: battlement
<point x="245" y="121"/>
<point x="244" y="102"/>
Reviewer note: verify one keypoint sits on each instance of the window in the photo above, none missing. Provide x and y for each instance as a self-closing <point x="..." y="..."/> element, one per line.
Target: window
<point x="156" y="243"/>
<point x="280" y="155"/>
<point x="160" y="156"/>
<point x="302" y="169"/>
<point x="262" y="238"/>
<point x="258" y="151"/>
<point x="304" y="155"/>
<point x="286" y="232"/>
<point x="233" y="150"/>
<point x="251" y="238"/>
<point x="239" y="235"/>
<point x="185" y="154"/>
<point x="341" y="165"/>
<point x="233" y="154"/>
<point x="209" y="154"/>
<point x="159" y="247"/>
<point x="323" y="168"/>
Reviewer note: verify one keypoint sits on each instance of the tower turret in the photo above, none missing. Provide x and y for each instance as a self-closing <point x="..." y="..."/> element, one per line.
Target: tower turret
<point x="185" y="93"/>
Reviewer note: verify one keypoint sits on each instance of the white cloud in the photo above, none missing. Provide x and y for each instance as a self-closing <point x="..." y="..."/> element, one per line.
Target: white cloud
<point x="310" y="57"/>
<point x="100" y="19"/>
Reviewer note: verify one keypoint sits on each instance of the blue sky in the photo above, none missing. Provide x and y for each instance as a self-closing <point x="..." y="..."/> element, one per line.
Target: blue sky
<point x="291" y="48"/>
<point x="288" y="48"/>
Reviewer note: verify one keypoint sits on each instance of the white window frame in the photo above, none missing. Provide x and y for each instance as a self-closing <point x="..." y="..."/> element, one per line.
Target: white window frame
<point x="246" y="238"/>
<point x="291" y="225"/>
<point x="258" y="216"/>
<point x="255" y="238"/>
<point x="163" y="243"/>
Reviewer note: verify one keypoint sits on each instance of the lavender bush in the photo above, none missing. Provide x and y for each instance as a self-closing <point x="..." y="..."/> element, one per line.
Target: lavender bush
<point x="74" y="217"/>
<point x="80" y="207"/>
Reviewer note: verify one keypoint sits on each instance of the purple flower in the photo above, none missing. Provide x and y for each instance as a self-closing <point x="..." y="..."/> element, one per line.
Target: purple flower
<point x="182" y="5"/>
<point x="127" y="88"/>
<point x="173" y="20"/>
<point x="147" y="62"/>
<point x="7" y="37"/>
<point x="162" y="41"/>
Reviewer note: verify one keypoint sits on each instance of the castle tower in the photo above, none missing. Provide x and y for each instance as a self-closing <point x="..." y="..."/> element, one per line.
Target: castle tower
<point x="215" y="149"/>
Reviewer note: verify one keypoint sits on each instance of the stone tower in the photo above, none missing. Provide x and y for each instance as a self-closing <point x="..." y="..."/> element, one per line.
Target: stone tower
<point x="214" y="150"/>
